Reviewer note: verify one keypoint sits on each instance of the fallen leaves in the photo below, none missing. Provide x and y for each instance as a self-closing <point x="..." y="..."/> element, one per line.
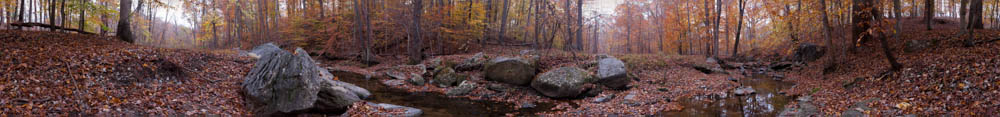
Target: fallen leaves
<point x="90" y="74"/>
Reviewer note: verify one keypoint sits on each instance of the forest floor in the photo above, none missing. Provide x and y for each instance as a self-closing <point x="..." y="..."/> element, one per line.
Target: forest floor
<point x="944" y="78"/>
<point x="47" y="73"/>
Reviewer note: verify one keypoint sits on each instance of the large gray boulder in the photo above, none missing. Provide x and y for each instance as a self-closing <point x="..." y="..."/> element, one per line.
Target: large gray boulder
<point x="265" y="49"/>
<point x="562" y="82"/>
<point x="287" y="83"/>
<point x="611" y="72"/>
<point x="446" y="77"/>
<point x="517" y="71"/>
<point x="808" y="52"/>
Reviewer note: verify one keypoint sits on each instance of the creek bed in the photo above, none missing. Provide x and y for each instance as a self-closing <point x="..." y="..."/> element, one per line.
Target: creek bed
<point x="765" y="102"/>
<point x="436" y="104"/>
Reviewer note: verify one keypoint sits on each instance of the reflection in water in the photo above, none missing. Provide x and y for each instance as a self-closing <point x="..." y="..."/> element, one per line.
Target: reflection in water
<point x="436" y="104"/>
<point x="765" y="102"/>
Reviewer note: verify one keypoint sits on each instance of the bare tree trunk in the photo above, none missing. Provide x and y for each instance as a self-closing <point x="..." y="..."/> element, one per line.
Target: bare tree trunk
<point x="579" y="25"/>
<point x="715" y="34"/>
<point x="963" y="16"/>
<point x="929" y="13"/>
<point x="20" y="14"/>
<point x="52" y="16"/>
<point x="538" y="23"/>
<point x="489" y="17"/>
<point x="416" y="47"/>
<point x="827" y="32"/>
<point x="503" y="22"/>
<point x="976" y="12"/>
<point x="124" y="32"/>
<point x="739" y="25"/>
<point x="82" y="14"/>
<point x="62" y="12"/>
<point x="569" y="27"/>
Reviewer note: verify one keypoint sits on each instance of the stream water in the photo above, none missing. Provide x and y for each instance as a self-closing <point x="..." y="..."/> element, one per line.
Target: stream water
<point x="766" y="102"/>
<point x="436" y="104"/>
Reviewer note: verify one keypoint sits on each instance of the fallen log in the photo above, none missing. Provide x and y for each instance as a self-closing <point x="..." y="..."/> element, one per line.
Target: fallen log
<point x="49" y="26"/>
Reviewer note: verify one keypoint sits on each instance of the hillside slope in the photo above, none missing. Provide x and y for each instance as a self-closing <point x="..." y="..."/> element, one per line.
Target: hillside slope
<point x="58" y="73"/>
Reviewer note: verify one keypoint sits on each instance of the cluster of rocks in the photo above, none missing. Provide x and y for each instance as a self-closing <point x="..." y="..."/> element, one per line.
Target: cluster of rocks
<point x="563" y="82"/>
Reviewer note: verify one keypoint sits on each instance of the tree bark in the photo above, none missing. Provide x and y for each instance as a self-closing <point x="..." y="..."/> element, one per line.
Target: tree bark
<point x="20" y="14"/>
<point x="739" y="25"/>
<point x="929" y="13"/>
<point x="963" y="13"/>
<point x="715" y="35"/>
<point x="52" y="16"/>
<point x="62" y="12"/>
<point x="124" y="31"/>
<point x="976" y="12"/>
<point x="416" y="44"/>
<point x="503" y="22"/>
<point x="82" y="14"/>
<point x="489" y="20"/>
<point x="827" y="32"/>
<point x="579" y="25"/>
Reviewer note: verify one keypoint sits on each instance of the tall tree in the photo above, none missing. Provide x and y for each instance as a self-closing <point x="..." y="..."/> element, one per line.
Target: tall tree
<point x="579" y="25"/>
<point x="715" y="34"/>
<point x="976" y="13"/>
<point x="739" y="24"/>
<point x="20" y="14"/>
<point x="929" y="13"/>
<point x="569" y="27"/>
<point x="124" y="31"/>
<point x="363" y="30"/>
<point x="503" y="22"/>
<point x="62" y="15"/>
<point x="52" y="16"/>
<point x="827" y="32"/>
<point x="963" y="13"/>
<point x="83" y="8"/>
<point x="416" y="47"/>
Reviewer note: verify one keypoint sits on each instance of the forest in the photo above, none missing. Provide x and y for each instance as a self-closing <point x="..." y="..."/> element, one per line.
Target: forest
<point x="499" y="57"/>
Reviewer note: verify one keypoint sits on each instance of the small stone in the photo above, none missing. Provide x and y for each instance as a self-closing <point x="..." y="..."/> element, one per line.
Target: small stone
<point x="630" y="96"/>
<point x="526" y="105"/>
<point x="393" y="82"/>
<point x="498" y="87"/>
<point x="630" y="99"/>
<point x="416" y="79"/>
<point x="396" y="75"/>
<point x="804" y="99"/>
<point x="663" y="89"/>
<point x="604" y="98"/>
<point x="464" y="88"/>
<point x="743" y="91"/>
